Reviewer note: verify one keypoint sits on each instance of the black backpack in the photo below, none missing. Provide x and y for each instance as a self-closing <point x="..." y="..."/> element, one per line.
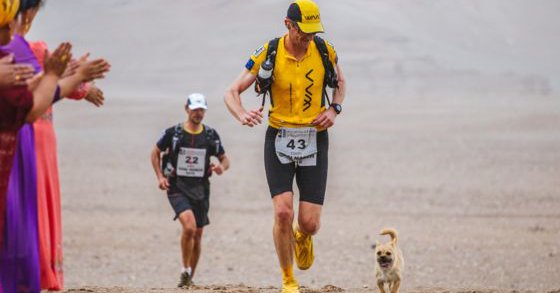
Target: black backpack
<point x="166" y="166"/>
<point x="330" y="79"/>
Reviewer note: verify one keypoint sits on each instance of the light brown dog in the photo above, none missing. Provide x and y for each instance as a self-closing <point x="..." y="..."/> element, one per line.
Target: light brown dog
<point x="389" y="263"/>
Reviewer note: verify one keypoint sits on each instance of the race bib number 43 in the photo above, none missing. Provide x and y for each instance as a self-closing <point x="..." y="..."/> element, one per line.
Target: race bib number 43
<point x="191" y="162"/>
<point x="297" y="145"/>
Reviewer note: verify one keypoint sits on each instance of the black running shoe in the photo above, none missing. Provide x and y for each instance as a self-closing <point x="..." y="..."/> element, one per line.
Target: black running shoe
<point x="185" y="281"/>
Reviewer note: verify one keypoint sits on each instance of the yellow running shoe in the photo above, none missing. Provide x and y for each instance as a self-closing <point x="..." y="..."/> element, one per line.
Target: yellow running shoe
<point x="303" y="249"/>
<point x="289" y="283"/>
<point x="290" y="287"/>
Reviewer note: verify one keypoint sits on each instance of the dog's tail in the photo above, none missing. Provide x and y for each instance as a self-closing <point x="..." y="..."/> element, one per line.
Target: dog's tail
<point x="391" y="232"/>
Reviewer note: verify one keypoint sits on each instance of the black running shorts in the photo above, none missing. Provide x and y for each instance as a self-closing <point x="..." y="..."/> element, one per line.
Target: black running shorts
<point x="180" y="203"/>
<point x="311" y="180"/>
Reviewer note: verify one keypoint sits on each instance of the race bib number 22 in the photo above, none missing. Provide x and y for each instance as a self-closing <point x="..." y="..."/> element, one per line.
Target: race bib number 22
<point x="191" y="162"/>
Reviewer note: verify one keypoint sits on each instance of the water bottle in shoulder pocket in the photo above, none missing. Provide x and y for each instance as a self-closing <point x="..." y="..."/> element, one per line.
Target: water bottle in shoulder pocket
<point x="264" y="76"/>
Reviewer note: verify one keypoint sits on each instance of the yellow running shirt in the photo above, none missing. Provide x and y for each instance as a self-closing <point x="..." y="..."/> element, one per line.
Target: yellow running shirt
<point x="297" y="90"/>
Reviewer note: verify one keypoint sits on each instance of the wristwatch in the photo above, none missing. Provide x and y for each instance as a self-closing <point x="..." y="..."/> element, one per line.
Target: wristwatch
<point x="337" y="108"/>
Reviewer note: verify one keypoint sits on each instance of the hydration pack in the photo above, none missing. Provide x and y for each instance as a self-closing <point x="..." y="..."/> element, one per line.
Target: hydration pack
<point x="166" y="165"/>
<point x="330" y="78"/>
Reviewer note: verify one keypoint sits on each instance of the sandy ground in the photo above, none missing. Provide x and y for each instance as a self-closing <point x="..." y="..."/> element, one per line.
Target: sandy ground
<point x="450" y="133"/>
<point x="475" y="201"/>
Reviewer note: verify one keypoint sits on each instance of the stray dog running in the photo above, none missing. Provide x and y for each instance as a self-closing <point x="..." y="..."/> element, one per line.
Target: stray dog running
<point x="389" y="263"/>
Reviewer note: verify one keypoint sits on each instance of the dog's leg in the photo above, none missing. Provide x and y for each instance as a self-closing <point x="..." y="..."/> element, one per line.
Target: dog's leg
<point x="380" y="286"/>
<point x="395" y="286"/>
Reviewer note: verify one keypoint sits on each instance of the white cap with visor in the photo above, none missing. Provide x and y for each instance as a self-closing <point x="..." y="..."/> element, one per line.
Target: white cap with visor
<point x="197" y="101"/>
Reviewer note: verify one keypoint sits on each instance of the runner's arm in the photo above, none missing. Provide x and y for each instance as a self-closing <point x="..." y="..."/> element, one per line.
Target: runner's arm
<point x="326" y="118"/>
<point x="232" y="99"/>
<point x="156" y="163"/>
<point x="224" y="161"/>
<point x="222" y="166"/>
<point x="340" y="93"/>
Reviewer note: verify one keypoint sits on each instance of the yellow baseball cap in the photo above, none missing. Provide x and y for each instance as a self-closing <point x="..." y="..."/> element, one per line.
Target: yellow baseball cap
<point x="306" y="14"/>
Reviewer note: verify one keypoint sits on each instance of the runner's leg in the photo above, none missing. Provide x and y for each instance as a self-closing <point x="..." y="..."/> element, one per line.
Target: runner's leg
<point x="309" y="217"/>
<point x="282" y="231"/>
<point x="312" y="183"/>
<point x="187" y="236"/>
<point x="280" y="179"/>
<point x="284" y="239"/>
<point x="196" y="249"/>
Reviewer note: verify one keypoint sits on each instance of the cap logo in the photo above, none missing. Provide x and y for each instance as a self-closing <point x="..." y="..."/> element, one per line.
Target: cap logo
<point x="313" y="17"/>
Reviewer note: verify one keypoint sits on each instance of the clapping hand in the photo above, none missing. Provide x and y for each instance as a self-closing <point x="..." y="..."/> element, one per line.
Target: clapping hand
<point x="57" y="62"/>
<point x="94" y="69"/>
<point x="14" y="74"/>
<point x="95" y="96"/>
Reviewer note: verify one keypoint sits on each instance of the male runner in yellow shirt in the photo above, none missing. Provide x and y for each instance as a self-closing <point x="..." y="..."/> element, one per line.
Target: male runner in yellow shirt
<point x="296" y="142"/>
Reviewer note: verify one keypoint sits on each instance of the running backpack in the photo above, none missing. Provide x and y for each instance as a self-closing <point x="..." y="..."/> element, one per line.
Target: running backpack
<point x="330" y="79"/>
<point x="166" y="165"/>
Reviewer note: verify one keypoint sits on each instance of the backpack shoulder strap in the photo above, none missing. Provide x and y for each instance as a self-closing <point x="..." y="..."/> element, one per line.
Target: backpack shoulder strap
<point x="329" y="67"/>
<point x="209" y="131"/>
<point x="177" y="128"/>
<point x="330" y="79"/>
<point x="323" y="50"/>
<point x="272" y="47"/>
<point x="177" y="135"/>
<point x="320" y="45"/>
